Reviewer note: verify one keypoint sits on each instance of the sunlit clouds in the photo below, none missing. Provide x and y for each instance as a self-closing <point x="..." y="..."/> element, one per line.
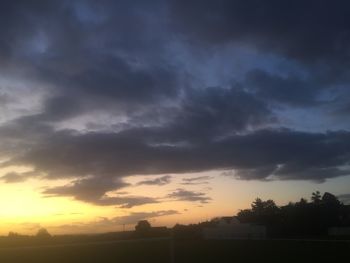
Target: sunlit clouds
<point x="172" y="111"/>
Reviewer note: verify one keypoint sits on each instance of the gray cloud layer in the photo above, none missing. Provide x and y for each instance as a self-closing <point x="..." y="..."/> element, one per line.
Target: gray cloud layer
<point x="129" y="63"/>
<point x="344" y="198"/>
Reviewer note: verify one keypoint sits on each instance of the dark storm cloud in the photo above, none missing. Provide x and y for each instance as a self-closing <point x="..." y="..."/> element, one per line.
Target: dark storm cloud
<point x="207" y="114"/>
<point x="94" y="61"/>
<point x="87" y="54"/>
<point x="112" y="77"/>
<point x="58" y="108"/>
<point x="93" y="190"/>
<point x="284" y="90"/>
<point x="110" y="155"/>
<point x="120" y="58"/>
<point x="307" y="30"/>
<point x="86" y="189"/>
<point x="186" y="195"/>
<point x="313" y="35"/>
<point x="157" y="181"/>
<point x="108" y="83"/>
<point x="216" y="111"/>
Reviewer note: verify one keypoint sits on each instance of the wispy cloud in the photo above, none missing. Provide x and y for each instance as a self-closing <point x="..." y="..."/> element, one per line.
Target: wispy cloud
<point x="93" y="190"/>
<point x="196" y="180"/>
<point x="14" y="177"/>
<point x="191" y="196"/>
<point x="157" y="181"/>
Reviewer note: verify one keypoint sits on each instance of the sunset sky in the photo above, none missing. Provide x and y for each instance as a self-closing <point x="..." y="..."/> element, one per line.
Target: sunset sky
<point x="172" y="111"/>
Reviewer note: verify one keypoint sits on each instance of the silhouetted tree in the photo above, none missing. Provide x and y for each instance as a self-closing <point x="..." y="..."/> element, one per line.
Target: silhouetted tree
<point x="246" y="216"/>
<point x="192" y="230"/>
<point x="13" y="234"/>
<point x="302" y="202"/>
<point x="143" y="227"/>
<point x="43" y="233"/>
<point x="330" y="210"/>
<point x="330" y="199"/>
<point x="316" y="197"/>
<point x="265" y="212"/>
<point x="298" y="219"/>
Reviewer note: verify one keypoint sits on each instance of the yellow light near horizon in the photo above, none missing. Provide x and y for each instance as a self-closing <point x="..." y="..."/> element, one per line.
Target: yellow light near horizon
<point x="23" y="208"/>
<point x="22" y="203"/>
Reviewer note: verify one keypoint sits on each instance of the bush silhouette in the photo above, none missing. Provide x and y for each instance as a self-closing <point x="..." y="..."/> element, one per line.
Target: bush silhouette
<point x="43" y="233"/>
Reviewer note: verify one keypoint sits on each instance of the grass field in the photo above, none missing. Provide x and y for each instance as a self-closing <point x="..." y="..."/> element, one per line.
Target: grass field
<point x="185" y="251"/>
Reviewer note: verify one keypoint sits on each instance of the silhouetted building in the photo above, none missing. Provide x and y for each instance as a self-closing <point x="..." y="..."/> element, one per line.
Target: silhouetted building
<point x="231" y="228"/>
<point x="339" y="231"/>
<point x="159" y="230"/>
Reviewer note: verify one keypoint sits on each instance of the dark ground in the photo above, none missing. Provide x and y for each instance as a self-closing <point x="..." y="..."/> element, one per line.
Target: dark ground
<point x="185" y="251"/>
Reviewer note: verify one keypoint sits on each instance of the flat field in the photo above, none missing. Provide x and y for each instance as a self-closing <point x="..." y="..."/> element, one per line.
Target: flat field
<point x="190" y="251"/>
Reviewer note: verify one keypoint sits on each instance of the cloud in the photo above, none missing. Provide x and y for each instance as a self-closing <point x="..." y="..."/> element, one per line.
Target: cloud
<point x="157" y="181"/>
<point x="109" y="155"/>
<point x="312" y="55"/>
<point x="5" y="99"/>
<point x="86" y="188"/>
<point x="120" y="91"/>
<point x="196" y="180"/>
<point x="278" y="154"/>
<point x="273" y="26"/>
<point x="199" y="178"/>
<point x="14" y="177"/>
<point x="134" y="217"/>
<point x="90" y="59"/>
<point x="93" y="190"/>
<point x="109" y="224"/>
<point x="30" y="226"/>
<point x="286" y="90"/>
<point x="345" y="198"/>
<point x="216" y="111"/>
<point x="185" y="195"/>
<point x="131" y="201"/>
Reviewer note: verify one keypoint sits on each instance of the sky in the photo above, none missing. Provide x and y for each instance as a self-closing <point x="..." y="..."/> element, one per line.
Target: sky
<point x="172" y="111"/>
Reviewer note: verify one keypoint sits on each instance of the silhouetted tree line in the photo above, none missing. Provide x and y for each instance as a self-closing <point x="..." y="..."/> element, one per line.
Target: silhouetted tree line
<point x="193" y="231"/>
<point x="41" y="234"/>
<point x="301" y="219"/>
<point x="298" y="219"/>
<point x="143" y="229"/>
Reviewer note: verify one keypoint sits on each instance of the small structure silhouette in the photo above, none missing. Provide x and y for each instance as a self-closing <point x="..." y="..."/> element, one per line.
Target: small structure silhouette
<point x="144" y="229"/>
<point x="230" y="228"/>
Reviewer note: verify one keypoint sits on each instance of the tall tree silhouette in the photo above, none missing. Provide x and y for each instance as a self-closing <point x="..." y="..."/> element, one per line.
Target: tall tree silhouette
<point x="143" y="227"/>
<point x="298" y="219"/>
<point x="316" y="197"/>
